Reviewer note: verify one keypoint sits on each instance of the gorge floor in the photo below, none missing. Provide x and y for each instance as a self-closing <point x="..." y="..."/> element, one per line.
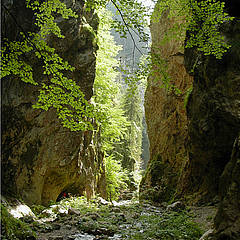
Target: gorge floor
<point x="77" y="219"/>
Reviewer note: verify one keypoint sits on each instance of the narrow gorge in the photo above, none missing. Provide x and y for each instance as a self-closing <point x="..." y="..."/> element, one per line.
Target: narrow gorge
<point x="92" y="183"/>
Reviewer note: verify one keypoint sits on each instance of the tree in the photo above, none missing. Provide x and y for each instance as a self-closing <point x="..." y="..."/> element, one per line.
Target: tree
<point x="201" y="18"/>
<point x="107" y="98"/>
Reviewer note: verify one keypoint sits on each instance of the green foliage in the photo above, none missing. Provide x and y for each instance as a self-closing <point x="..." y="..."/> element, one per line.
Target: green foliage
<point x="58" y="91"/>
<point x="187" y="95"/>
<point x="201" y="19"/>
<point x="107" y="100"/>
<point x="106" y="89"/>
<point x="12" y="228"/>
<point x="132" y="12"/>
<point x="11" y="62"/>
<point x="193" y="23"/>
<point x="132" y="145"/>
<point x="79" y="203"/>
<point x="132" y="221"/>
<point x="45" y="13"/>
<point x="168" y="226"/>
<point x="116" y="178"/>
<point x="37" y="209"/>
<point x="203" y="26"/>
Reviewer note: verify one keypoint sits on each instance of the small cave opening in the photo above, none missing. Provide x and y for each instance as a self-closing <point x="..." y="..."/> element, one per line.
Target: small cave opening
<point x="63" y="195"/>
<point x="68" y="192"/>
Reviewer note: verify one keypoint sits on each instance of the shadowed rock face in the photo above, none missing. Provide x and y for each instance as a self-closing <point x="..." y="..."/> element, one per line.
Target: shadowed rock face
<point x="40" y="158"/>
<point x="227" y="220"/>
<point x="214" y="114"/>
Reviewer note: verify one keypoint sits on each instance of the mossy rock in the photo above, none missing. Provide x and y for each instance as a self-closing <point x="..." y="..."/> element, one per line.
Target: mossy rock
<point x="14" y="229"/>
<point x="159" y="182"/>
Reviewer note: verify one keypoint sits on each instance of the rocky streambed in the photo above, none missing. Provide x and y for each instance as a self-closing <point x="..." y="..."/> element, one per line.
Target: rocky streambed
<point x="77" y="219"/>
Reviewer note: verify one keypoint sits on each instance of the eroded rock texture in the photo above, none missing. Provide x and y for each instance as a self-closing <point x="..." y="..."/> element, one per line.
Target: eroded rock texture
<point x="40" y="158"/>
<point x="214" y="115"/>
<point x="227" y="220"/>
<point x="165" y="114"/>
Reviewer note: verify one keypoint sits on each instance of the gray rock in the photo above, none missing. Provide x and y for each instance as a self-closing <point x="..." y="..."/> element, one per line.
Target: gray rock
<point x="227" y="220"/>
<point x="56" y="238"/>
<point x="207" y="234"/>
<point x="56" y="226"/>
<point x="68" y="226"/>
<point x="39" y="156"/>
<point x="177" y="206"/>
<point x="73" y="211"/>
<point x="48" y="213"/>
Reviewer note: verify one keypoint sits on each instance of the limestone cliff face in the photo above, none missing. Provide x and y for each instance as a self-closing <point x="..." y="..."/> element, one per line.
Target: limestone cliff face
<point x="166" y="117"/>
<point x="40" y="158"/>
<point x="189" y="151"/>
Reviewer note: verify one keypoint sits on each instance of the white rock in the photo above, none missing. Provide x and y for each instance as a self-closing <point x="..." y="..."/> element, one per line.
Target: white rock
<point x="206" y="234"/>
<point x="20" y="211"/>
<point x="176" y="206"/>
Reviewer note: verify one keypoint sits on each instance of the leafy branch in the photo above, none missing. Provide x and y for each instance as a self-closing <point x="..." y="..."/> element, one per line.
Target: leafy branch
<point x="59" y="91"/>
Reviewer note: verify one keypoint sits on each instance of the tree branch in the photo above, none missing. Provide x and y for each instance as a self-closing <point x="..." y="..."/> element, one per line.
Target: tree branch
<point x="128" y="29"/>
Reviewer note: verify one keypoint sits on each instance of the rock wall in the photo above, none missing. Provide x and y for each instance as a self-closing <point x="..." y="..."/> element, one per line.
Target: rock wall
<point x="214" y="114"/>
<point x="40" y="158"/>
<point x="166" y="117"/>
<point x="212" y="172"/>
<point x="227" y="220"/>
<point x="195" y="153"/>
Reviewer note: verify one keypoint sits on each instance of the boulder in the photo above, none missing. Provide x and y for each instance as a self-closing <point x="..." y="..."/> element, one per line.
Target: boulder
<point x="73" y="211"/>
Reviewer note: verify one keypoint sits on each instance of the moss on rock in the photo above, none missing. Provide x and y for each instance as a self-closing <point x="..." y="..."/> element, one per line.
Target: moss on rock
<point x="157" y="184"/>
<point x="14" y="229"/>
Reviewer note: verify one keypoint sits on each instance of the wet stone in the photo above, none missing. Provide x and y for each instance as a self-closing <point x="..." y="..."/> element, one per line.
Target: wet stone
<point x="177" y="206"/>
<point x="81" y="237"/>
<point x="73" y="211"/>
<point x="68" y="226"/>
<point x="56" y="238"/>
<point x="56" y="226"/>
<point x="46" y="228"/>
<point x="102" y="237"/>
